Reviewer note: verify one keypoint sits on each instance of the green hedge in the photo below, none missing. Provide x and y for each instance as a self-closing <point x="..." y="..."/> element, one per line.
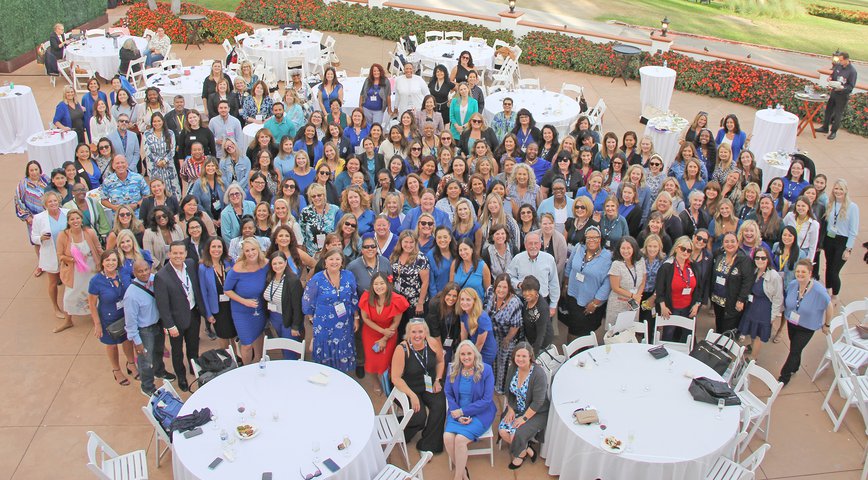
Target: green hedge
<point x="24" y="24"/>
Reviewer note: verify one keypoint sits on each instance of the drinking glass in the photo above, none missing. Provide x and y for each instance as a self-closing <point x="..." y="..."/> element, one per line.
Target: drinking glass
<point x="720" y="404"/>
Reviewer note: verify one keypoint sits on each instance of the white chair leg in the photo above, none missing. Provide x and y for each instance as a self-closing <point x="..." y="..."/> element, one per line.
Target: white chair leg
<point x="491" y="450"/>
<point x="157" y="449"/>
<point x="824" y="363"/>
<point x="406" y="455"/>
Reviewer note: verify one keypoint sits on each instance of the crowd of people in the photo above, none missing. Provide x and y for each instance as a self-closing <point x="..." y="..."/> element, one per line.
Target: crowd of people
<point x="404" y="239"/>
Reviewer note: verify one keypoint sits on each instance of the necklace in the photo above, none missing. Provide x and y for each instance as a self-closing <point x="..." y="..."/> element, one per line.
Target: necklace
<point x="466" y="373"/>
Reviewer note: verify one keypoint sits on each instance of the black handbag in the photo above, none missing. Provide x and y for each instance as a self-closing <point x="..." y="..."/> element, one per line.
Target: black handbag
<point x="117" y="329"/>
<point x="710" y="391"/>
<point x="715" y="355"/>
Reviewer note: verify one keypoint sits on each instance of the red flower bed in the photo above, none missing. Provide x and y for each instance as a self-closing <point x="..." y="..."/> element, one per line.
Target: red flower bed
<point x="843" y="15"/>
<point x="217" y="27"/>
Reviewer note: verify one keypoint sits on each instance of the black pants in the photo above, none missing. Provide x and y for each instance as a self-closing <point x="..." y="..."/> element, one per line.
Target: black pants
<point x="799" y="338"/>
<point x="573" y="315"/>
<point x="648" y="316"/>
<point x="835" y="110"/>
<point x="51" y="63"/>
<point x="430" y="420"/>
<point x="186" y="336"/>
<point x="677" y="334"/>
<point x="722" y="322"/>
<point x="834" y="249"/>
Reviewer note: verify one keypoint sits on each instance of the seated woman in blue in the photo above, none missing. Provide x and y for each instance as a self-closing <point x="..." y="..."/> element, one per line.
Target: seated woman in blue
<point x="794" y="181"/>
<point x="476" y="325"/>
<point x="470" y="403"/>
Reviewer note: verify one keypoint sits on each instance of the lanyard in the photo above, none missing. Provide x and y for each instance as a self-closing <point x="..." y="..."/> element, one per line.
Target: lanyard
<point x="800" y="296"/>
<point x="586" y="263"/>
<point x="271" y="287"/>
<point x="688" y="271"/>
<point x="837" y="211"/>
<point x="423" y="361"/>
<point x="632" y="275"/>
<point x="373" y="271"/>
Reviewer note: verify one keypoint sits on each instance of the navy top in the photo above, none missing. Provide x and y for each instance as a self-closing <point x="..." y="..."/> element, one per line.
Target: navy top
<point x="110" y="294"/>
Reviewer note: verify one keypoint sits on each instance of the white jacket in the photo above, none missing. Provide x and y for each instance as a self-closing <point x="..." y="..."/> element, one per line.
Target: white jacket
<point x="47" y="248"/>
<point x="773" y="286"/>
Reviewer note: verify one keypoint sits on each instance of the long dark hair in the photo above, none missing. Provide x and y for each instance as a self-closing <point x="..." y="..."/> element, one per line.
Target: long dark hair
<point x="205" y="256"/>
<point x="453" y="247"/>
<point x="794" y="248"/>
<point x="269" y="276"/>
<point x="530" y="124"/>
<point x="474" y="258"/>
<point x="168" y="136"/>
<point x="372" y="297"/>
<point x="34" y="162"/>
<point x="440" y="298"/>
<point x="170" y="225"/>
<point x="292" y="247"/>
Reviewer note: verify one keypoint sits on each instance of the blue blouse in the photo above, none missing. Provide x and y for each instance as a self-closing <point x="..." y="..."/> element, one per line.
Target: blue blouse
<point x="472" y="279"/>
<point x="438" y="275"/>
<point x="811" y="308"/>
<point x="792" y="189"/>
<point x="484" y="325"/>
<point x="588" y="281"/>
<point x="110" y="296"/>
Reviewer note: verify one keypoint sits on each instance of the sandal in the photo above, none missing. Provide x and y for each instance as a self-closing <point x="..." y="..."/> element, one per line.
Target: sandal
<point x="125" y="382"/>
<point x="130" y="372"/>
<point x="38" y="272"/>
<point x="777" y="338"/>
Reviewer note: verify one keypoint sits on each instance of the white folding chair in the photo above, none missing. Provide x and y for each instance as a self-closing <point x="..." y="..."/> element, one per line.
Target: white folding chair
<point x="239" y="39"/>
<point x="453" y="35"/>
<point x="529" y="83"/>
<point x="315" y="36"/>
<point x="261" y="31"/>
<point x="82" y="72"/>
<point x="296" y="63"/>
<point x="431" y="36"/>
<point x="168" y="54"/>
<point x="639" y="328"/>
<point x="426" y="68"/>
<point x="390" y="431"/>
<point x="285" y="344"/>
<point x="517" y="50"/>
<point x="150" y="72"/>
<point x="588" y="341"/>
<point x="853" y="388"/>
<point x="196" y="369"/>
<point x="726" y="469"/>
<point x="207" y="62"/>
<point x="329" y="50"/>
<point x="500" y="43"/>
<point x="135" y="72"/>
<point x="505" y="77"/>
<point x="477" y="40"/>
<point x="94" y="32"/>
<point x="149" y="33"/>
<point x="489" y="450"/>
<point x="595" y="115"/>
<point x="733" y="347"/>
<point x="760" y="412"/>
<point x="854" y="308"/>
<point x="854" y="357"/>
<point x="227" y="46"/>
<point x="159" y="432"/>
<point x="364" y="71"/>
<point x="118" y="31"/>
<point x="675" y="321"/>
<point x="576" y="90"/>
<point x="391" y="472"/>
<point x="106" y="464"/>
<point x="170" y="64"/>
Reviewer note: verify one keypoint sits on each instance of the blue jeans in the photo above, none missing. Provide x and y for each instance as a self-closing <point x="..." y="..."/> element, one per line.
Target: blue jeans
<point x="151" y="57"/>
<point x="150" y="362"/>
<point x="283" y="332"/>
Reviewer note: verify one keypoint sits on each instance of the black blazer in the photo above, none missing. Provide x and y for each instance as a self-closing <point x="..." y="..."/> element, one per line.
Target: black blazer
<point x="488" y="136"/>
<point x="172" y="122"/>
<point x="171" y="299"/>
<point x="290" y="301"/>
<point x="663" y="287"/>
<point x="738" y="282"/>
<point x="192" y="250"/>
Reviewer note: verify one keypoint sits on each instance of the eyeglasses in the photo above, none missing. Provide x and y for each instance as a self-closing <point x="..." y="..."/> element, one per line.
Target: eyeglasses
<point x="316" y="195"/>
<point x="351" y="225"/>
<point x="235" y="194"/>
<point x="105" y="147"/>
<point x="259" y="182"/>
<point x="507" y="104"/>
<point x="465" y="57"/>
<point x="322" y="173"/>
<point x="368" y="247"/>
<point x="526" y="212"/>
<point x="123" y="121"/>
<point x="593" y="237"/>
<point x="125" y="214"/>
<point x="426" y="224"/>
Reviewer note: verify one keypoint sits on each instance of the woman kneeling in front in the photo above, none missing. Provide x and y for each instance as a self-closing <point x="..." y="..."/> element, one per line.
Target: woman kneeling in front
<point x="469" y="397"/>
<point x="527" y="406"/>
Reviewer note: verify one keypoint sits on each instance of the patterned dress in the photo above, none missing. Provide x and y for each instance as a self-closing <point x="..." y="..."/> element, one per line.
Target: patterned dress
<point x="28" y="199"/>
<point x="407" y="280"/>
<point x="158" y="159"/>
<point x="313" y="225"/>
<point x="332" y="309"/>
<point x="520" y="392"/>
<point x="509" y="316"/>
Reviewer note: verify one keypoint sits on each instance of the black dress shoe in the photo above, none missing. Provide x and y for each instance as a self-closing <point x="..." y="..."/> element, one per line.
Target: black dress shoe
<point x="183" y="385"/>
<point x="360" y="372"/>
<point x="832" y="135"/>
<point x="168" y="376"/>
<point x="822" y="130"/>
<point x="785" y="379"/>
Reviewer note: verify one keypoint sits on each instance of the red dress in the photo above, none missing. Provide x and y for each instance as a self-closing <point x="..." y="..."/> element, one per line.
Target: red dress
<point x="379" y="362"/>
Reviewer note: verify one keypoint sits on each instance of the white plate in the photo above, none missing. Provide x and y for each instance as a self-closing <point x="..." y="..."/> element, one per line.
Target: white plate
<point x="242" y="437"/>
<point x="835" y="84"/>
<point x="609" y="449"/>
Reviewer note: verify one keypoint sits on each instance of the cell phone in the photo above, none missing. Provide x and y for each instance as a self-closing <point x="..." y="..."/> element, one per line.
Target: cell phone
<point x="331" y="465"/>
<point x="193" y="433"/>
<point x="217" y="461"/>
<point x="266" y="475"/>
<point x="633" y="304"/>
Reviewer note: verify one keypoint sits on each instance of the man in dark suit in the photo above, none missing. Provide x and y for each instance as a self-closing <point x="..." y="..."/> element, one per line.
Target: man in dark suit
<point x="176" y="119"/>
<point x="176" y="287"/>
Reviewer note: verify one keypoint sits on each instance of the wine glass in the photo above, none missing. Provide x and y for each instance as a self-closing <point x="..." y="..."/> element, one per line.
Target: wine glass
<point x="720" y="404"/>
<point x="241" y="408"/>
<point x="256" y="310"/>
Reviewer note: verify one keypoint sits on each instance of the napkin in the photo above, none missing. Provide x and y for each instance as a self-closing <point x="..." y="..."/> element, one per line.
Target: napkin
<point x="586" y="417"/>
<point x="319" y="379"/>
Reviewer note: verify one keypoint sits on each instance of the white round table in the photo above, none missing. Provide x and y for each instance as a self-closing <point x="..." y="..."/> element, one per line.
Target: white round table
<point x="483" y="55"/>
<point x="51" y="148"/>
<point x="296" y="43"/>
<point x="666" y="140"/>
<point x="675" y="437"/>
<point x="352" y="89"/>
<point x="101" y="54"/>
<point x="249" y="133"/>
<point x="19" y="118"/>
<point x="308" y="413"/>
<point x="775" y="164"/>
<point x="547" y="108"/>
<point x="657" y="85"/>
<point x="773" y="130"/>
<point x="179" y="82"/>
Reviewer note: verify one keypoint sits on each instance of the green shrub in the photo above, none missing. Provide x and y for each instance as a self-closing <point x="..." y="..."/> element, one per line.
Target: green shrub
<point x="25" y="24"/>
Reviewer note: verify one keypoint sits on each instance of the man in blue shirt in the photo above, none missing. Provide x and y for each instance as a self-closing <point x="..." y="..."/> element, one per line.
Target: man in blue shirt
<point x="278" y="124"/>
<point x="123" y="187"/>
<point x="143" y="327"/>
<point x="539" y="165"/>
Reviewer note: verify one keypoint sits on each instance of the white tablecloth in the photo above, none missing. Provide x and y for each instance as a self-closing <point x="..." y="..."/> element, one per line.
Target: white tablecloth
<point x="666" y="143"/>
<point x="51" y="148"/>
<point x="773" y="130"/>
<point x="19" y="118"/>
<point x="249" y="132"/>
<point x="190" y="86"/>
<point x="352" y="89"/>
<point x="483" y="55"/>
<point x="101" y="54"/>
<point x="547" y="108"/>
<point x="774" y="164"/>
<point x="268" y="48"/>
<point x="657" y="85"/>
<point x="675" y="437"/>
<point x="308" y="413"/>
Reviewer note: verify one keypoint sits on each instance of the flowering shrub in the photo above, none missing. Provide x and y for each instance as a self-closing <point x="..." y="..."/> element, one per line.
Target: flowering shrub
<point x="217" y="27"/>
<point x="736" y="82"/>
<point x="850" y="16"/>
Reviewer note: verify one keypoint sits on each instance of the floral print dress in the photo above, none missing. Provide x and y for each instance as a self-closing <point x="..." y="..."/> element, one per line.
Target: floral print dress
<point x="407" y="280"/>
<point x="314" y="227"/>
<point x="158" y="159"/>
<point x="520" y="392"/>
<point x="507" y="317"/>
<point x="333" y="310"/>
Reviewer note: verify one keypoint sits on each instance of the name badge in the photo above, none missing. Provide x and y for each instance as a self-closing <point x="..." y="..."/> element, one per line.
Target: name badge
<point x="373" y="98"/>
<point x="259" y="118"/>
<point x="216" y="204"/>
<point x="230" y="134"/>
<point x="686" y="291"/>
<point x="192" y="137"/>
<point x="580" y="276"/>
<point x="633" y="290"/>
<point x="750" y="298"/>
<point x="720" y="280"/>
<point x="224" y="298"/>
<point x="447" y="343"/>
<point x="120" y="305"/>
<point x="341" y="309"/>
<point x="794" y="318"/>
<point x="320" y="240"/>
<point x="608" y="244"/>
<point x="272" y="307"/>
<point x="429" y="383"/>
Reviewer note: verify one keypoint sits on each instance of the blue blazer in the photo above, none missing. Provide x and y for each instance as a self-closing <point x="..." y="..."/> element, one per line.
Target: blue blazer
<point x="737" y="141"/>
<point x="482" y="396"/>
<point x="411" y="218"/>
<point x="61" y="114"/>
<point x="229" y="225"/>
<point x="208" y="287"/>
<point x="317" y="150"/>
<point x="131" y="152"/>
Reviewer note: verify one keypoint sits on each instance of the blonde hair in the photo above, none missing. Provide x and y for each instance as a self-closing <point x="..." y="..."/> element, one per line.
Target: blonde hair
<point x="455" y="365"/>
<point x="399" y="247"/>
<point x="665" y="196"/>
<point x="653" y="237"/>
<point x="845" y="203"/>
<point x="641" y="180"/>
<point x="758" y="239"/>
<point x="531" y="176"/>
<point x="315" y="188"/>
<point x="475" y="311"/>
<point x="242" y="259"/>
<point x="364" y="199"/>
<point x="137" y="252"/>
<point x="682" y="241"/>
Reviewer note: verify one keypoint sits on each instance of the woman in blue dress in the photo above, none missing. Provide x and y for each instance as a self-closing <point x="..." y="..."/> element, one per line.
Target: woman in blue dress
<point x="440" y="260"/>
<point x="331" y="297"/>
<point x="244" y="286"/>
<point x="129" y="251"/>
<point x="105" y="296"/>
<point x="470" y="403"/>
<point x="476" y="325"/>
<point x="764" y="303"/>
<point x="468" y="270"/>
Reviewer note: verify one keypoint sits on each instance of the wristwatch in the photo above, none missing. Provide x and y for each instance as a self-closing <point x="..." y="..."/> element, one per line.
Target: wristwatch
<point x="523" y="418"/>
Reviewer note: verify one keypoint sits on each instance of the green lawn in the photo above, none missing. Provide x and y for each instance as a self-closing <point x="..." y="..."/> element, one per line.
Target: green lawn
<point x="222" y="5"/>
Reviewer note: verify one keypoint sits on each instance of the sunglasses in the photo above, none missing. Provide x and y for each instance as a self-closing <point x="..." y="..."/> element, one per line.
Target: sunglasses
<point x="426" y="224"/>
<point x="581" y="207"/>
<point x="105" y="147"/>
<point x="476" y="121"/>
<point x="764" y="258"/>
<point x="526" y="212"/>
<point x="465" y="57"/>
<point x="322" y="173"/>
<point x="235" y="194"/>
<point x="159" y="217"/>
<point x="125" y="214"/>
<point x="416" y="149"/>
<point x="594" y="237"/>
<point x="351" y="225"/>
<point x="685" y="249"/>
<point x="656" y="164"/>
<point x="702" y="239"/>
<point x="368" y="247"/>
<point x="289" y="186"/>
<point x="316" y="195"/>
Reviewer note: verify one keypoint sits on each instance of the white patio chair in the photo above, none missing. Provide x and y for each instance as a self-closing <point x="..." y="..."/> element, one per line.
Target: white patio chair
<point x="726" y="469"/>
<point x="734" y="348"/>
<point x="500" y="43"/>
<point x="390" y="430"/>
<point x="760" y="412"/>
<point x="453" y="35"/>
<point x="391" y="472"/>
<point x="315" y="36"/>
<point x="196" y="369"/>
<point x="431" y="36"/>
<point x="675" y="321"/>
<point x="329" y="50"/>
<point x="82" y="72"/>
<point x="118" y="31"/>
<point x="853" y="388"/>
<point x="854" y="357"/>
<point x="239" y="39"/>
<point x="476" y="39"/>
<point x="227" y="46"/>
<point x="296" y="63"/>
<point x="529" y="83"/>
<point x="364" y="71"/>
<point x="640" y="328"/>
<point x="489" y="450"/>
<point x="150" y="72"/>
<point x="135" y="72"/>
<point x="595" y="115"/>
<point x="426" y="68"/>
<point x="168" y="54"/>
<point x="261" y="31"/>
<point x="854" y="309"/>
<point x="149" y="33"/>
<point x="171" y="64"/>
<point x="106" y="464"/>
<point x="94" y="32"/>
<point x="285" y="344"/>
<point x="159" y="433"/>
<point x="207" y="62"/>
<point x="576" y="90"/>
<point x="588" y="341"/>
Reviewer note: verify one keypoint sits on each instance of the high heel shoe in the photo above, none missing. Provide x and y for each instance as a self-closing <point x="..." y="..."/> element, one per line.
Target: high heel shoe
<point x="130" y="372"/>
<point x="125" y="382"/>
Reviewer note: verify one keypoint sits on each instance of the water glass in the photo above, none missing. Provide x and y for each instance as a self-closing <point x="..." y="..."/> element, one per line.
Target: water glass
<point x="720" y="404"/>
